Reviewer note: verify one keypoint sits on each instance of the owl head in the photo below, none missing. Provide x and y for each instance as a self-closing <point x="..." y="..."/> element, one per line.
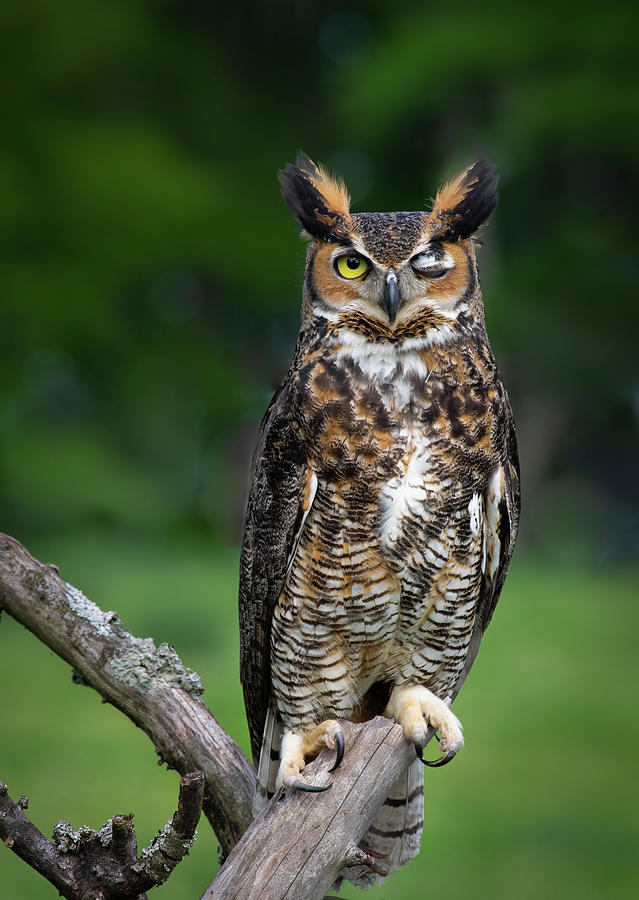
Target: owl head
<point x="391" y="276"/>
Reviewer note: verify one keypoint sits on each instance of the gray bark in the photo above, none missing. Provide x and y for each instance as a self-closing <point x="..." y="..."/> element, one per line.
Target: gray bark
<point x="298" y="845"/>
<point x="103" y="864"/>
<point x="149" y="684"/>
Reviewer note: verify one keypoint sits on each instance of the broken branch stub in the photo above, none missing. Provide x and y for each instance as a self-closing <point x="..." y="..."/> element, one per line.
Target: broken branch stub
<point x="84" y="863"/>
<point x="149" y="684"/>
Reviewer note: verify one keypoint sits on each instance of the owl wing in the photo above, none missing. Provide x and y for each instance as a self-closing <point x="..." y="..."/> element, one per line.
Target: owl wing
<point x="279" y="499"/>
<point x="501" y="521"/>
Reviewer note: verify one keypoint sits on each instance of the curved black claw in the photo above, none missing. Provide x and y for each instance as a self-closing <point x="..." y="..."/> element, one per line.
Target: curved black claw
<point x="434" y="763"/>
<point x="437" y="763"/>
<point x="311" y="788"/>
<point x="339" y="741"/>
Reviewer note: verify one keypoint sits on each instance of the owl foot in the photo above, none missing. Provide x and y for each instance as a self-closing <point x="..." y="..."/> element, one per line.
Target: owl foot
<point x="296" y="748"/>
<point x="417" y="710"/>
<point x="362" y="856"/>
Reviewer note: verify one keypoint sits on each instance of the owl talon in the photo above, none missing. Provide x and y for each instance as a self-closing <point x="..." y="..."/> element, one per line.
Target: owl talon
<point x="434" y="763"/>
<point x="298" y="785"/>
<point x="339" y="743"/>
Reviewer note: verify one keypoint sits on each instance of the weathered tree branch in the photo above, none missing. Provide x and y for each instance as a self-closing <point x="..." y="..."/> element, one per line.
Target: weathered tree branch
<point x="297" y="847"/>
<point x="21" y="836"/>
<point x="149" y="684"/>
<point x="174" y="841"/>
<point x="102" y="865"/>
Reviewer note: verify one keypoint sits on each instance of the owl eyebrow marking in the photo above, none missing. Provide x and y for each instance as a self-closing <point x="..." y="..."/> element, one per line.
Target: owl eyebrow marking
<point x="350" y="244"/>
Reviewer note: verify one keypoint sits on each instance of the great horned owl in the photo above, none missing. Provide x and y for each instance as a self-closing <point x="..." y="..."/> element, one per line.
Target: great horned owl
<point x="385" y="492"/>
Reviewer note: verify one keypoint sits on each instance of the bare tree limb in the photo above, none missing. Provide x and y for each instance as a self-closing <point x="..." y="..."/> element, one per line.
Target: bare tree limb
<point x="21" y="836"/>
<point x="149" y="684"/>
<point x="298" y="845"/>
<point x="102" y="865"/>
<point x="174" y="841"/>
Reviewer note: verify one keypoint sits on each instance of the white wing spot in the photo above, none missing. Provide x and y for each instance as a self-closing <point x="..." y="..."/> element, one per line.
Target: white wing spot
<point x="475" y="510"/>
<point x="312" y="490"/>
<point x="492" y="544"/>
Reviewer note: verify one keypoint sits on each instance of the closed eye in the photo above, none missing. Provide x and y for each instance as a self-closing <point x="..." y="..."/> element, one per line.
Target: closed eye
<point x="432" y="264"/>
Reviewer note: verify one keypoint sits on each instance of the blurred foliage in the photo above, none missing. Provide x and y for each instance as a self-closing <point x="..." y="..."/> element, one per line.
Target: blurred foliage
<point x="150" y="272"/>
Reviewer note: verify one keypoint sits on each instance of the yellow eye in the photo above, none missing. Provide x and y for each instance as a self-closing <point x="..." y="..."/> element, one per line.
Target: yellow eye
<point x="351" y="265"/>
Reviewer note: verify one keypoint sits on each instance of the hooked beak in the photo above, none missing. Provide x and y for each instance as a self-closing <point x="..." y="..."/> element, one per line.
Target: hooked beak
<point x="392" y="297"/>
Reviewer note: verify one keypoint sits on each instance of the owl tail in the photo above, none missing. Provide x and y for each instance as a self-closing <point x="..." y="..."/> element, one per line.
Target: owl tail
<point x="269" y="761"/>
<point x="396" y="830"/>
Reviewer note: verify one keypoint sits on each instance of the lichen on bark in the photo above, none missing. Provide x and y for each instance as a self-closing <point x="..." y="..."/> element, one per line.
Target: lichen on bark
<point x="105" y="623"/>
<point x="163" y="854"/>
<point x="147" y="667"/>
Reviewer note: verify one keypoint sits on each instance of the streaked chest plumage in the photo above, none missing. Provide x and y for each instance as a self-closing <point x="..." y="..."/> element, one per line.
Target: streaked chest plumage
<point x="398" y="421"/>
<point x="399" y="439"/>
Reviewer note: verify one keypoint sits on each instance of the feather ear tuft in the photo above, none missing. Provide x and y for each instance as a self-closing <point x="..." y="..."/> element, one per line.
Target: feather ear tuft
<point x="319" y="201"/>
<point x="465" y="202"/>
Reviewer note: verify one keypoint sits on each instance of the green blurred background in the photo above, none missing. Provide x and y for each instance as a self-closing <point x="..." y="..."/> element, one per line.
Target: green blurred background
<point x="149" y="291"/>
